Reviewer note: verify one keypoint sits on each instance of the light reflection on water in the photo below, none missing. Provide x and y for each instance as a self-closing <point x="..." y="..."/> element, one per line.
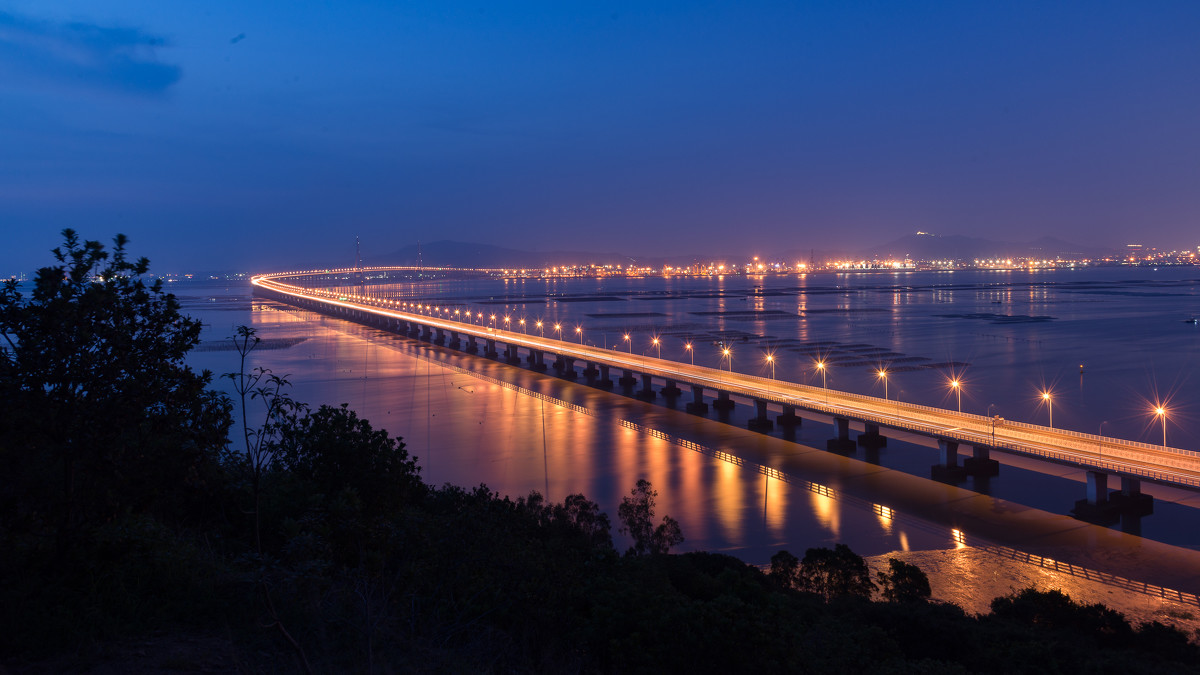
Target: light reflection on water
<point x="467" y="431"/>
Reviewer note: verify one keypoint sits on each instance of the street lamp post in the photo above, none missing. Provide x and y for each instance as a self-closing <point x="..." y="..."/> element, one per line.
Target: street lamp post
<point x="657" y="348"/>
<point x="691" y="353"/>
<point x="539" y="327"/>
<point x="954" y="384"/>
<point x="824" y="383"/>
<point x="771" y="362"/>
<point x="1049" y="406"/>
<point x="1162" y="414"/>
<point x="524" y="329"/>
<point x="579" y="332"/>
<point x="727" y="354"/>
<point x="990" y="406"/>
<point x="558" y="329"/>
<point x="630" y="343"/>
<point x="883" y="375"/>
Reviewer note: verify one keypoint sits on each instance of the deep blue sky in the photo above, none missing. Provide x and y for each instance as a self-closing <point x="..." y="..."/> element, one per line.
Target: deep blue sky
<point x="252" y="134"/>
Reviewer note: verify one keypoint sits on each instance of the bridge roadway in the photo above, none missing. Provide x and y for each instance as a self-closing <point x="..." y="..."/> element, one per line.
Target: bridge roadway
<point x="1099" y="456"/>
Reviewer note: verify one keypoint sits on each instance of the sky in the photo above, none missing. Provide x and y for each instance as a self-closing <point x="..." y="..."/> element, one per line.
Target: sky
<point x="267" y="135"/>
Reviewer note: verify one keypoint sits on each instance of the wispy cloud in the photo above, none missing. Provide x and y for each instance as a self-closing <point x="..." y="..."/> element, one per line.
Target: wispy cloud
<point x="82" y="54"/>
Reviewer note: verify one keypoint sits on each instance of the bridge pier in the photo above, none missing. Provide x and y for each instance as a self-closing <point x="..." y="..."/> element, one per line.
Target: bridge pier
<point x="567" y="370"/>
<point x="455" y="340"/>
<point x="788" y="418"/>
<point x="1130" y="499"/>
<point x="605" y="379"/>
<point x="697" y="406"/>
<point x="472" y="345"/>
<point x="647" y="393"/>
<point x="440" y="336"/>
<point x="627" y="380"/>
<point x="1105" y="508"/>
<point x="947" y="469"/>
<point x="491" y="348"/>
<point x="511" y="354"/>
<point x="871" y="438"/>
<point x="723" y="402"/>
<point x="760" y="421"/>
<point x="426" y="334"/>
<point x="590" y="372"/>
<point x="841" y="443"/>
<point x="537" y="360"/>
<point x="670" y="391"/>
<point x="980" y="464"/>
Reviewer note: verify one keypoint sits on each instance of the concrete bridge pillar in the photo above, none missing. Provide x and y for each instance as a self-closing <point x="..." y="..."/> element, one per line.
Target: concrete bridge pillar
<point x="568" y="368"/>
<point x="537" y="360"/>
<point x="1130" y="500"/>
<point x="1097" y="488"/>
<point x="671" y="391"/>
<point x="947" y="469"/>
<point x="440" y="339"/>
<point x="723" y="403"/>
<point x="627" y="379"/>
<point x="788" y="418"/>
<point x="426" y="334"/>
<point x="980" y="464"/>
<point x="511" y="354"/>
<point x="455" y="340"/>
<point x="414" y="329"/>
<point x="472" y="345"/>
<point x="647" y="393"/>
<point x="697" y="406"/>
<point x="871" y="438"/>
<point x="760" y="421"/>
<point x="590" y="372"/>
<point x="605" y="379"/>
<point x="491" y="348"/>
<point x="842" y="442"/>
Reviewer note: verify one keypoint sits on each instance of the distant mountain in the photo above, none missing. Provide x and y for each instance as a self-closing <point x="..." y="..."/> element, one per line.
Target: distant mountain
<point x="463" y="254"/>
<point x="925" y="246"/>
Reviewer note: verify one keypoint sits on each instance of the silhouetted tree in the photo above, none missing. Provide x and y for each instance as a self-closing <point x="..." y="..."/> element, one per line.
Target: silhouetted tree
<point x="785" y="569"/>
<point x="637" y="519"/>
<point x="903" y="582"/>
<point x="101" y="417"/>
<point x="840" y="572"/>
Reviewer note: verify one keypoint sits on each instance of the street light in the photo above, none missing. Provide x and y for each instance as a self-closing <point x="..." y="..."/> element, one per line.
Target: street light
<point x="824" y="384"/>
<point x="883" y="376"/>
<point x="657" y="350"/>
<point x="727" y="354"/>
<point x="1162" y="413"/>
<point x="954" y="384"/>
<point x="523" y="328"/>
<point x="691" y="352"/>
<point x="558" y="329"/>
<point x="579" y="332"/>
<point x="507" y="322"/>
<point x="990" y="406"/>
<point x="1050" y="406"/>
<point x="630" y="342"/>
<point x="539" y="327"/>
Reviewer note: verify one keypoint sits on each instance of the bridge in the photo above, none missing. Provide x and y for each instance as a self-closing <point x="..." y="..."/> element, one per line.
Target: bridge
<point x="1101" y="457"/>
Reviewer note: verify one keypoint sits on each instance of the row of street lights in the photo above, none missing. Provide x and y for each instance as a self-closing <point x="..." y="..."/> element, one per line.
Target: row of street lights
<point x="955" y="384"/>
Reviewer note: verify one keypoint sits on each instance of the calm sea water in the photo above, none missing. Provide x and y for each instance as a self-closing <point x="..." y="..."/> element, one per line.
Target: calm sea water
<point x="1006" y="335"/>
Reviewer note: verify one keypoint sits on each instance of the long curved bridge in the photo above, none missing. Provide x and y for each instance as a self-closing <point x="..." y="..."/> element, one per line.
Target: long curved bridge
<point x="1100" y="456"/>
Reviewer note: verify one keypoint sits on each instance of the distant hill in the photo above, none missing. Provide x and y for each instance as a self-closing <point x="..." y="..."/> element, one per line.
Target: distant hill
<point x="464" y="254"/>
<point x="924" y="246"/>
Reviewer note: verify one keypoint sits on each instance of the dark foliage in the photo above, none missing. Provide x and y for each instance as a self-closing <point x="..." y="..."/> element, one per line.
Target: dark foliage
<point x="637" y="520"/>
<point x="902" y="582"/>
<point x="371" y="570"/>
<point x="834" y="573"/>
